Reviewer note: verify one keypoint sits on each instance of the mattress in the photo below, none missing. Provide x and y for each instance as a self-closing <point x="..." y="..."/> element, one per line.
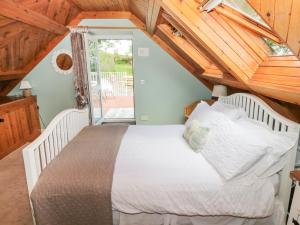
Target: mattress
<point x="156" y="172"/>
<point x="119" y="218"/>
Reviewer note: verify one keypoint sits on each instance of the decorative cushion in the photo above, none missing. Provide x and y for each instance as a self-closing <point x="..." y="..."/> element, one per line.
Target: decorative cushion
<point x="196" y="135"/>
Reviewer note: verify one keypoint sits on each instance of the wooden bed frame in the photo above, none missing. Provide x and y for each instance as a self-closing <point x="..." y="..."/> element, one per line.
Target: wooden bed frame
<point x="69" y="123"/>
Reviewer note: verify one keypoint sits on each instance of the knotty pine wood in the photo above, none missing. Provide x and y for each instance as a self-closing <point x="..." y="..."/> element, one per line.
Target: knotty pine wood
<point x="216" y="40"/>
<point x="139" y="8"/>
<point x="23" y="46"/>
<point x="248" y="24"/>
<point x="152" y="15"/>
<point x="192" y="41"/>
<point x="181" y="60"/>
<point x="23" y="14"/>
<point x="253" y="41"/>
<point x="283" y="17"/>
<point x="19" y="123"/>
<point x="185" y="49"/>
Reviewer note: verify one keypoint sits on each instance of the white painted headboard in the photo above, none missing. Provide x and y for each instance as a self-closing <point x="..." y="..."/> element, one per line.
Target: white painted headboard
<point x="258" y="110"/>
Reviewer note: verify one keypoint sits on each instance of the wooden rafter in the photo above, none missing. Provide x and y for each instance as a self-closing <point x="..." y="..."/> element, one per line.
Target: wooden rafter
<point x="193" y="55"/>
<point x="12" y="72"/>
<point x="23" y="14"/>
<point x="191" y="39"/>
<point x="198" y="25"/>
<point x="103" y="15"/>
<point x="152" y="15"/>
<point x="225" y="79"/>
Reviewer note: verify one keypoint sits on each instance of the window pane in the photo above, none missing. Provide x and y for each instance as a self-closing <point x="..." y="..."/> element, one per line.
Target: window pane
<point x="246" y="9"/>
<point x="278" y="49"/>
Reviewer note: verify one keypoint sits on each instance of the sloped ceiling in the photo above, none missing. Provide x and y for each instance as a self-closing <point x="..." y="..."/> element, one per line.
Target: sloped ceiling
<point x="283" y="17"/>
<point x="221" y="46"/>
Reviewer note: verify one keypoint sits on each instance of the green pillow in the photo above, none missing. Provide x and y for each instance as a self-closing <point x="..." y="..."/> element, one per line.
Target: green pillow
<point x="196" y="135"/>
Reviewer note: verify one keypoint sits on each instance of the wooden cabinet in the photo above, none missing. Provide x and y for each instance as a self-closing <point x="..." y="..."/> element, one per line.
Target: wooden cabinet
<point x="19" y="122"/>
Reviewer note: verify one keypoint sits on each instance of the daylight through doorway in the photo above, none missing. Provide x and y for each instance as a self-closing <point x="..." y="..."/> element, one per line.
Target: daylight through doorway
<point x="111" y="79"/>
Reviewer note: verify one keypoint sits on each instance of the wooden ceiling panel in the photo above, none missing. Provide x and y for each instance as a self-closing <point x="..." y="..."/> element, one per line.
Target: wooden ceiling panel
<point x="4" y="58"/>
<point x="103" y="5"/>
<point x="215" y="46"/>
<point x="283" y="17"/>
<point x="21" y="43"/>
<point x="139" y="8"/>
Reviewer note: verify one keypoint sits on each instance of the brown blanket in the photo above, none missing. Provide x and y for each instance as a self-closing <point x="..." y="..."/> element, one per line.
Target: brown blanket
<point x="75" y="189"/>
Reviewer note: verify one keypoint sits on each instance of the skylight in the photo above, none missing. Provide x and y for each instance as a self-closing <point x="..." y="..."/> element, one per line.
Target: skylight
<point x="278" y="49"/>
<point x="243" y="7"/>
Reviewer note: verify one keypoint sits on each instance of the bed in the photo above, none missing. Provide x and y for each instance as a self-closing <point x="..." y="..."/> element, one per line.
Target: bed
<point x="148" y="180"/>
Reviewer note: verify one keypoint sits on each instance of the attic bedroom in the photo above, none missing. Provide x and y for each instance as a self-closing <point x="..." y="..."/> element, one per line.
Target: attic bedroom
<point x="149" y="112"/>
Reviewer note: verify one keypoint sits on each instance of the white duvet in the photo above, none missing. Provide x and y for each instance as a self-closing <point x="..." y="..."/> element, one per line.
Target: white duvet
<point x="157" y="172"/>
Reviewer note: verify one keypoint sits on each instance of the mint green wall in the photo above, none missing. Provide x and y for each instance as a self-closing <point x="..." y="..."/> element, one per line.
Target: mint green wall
<point x="54" y="91"/>
<point x="168" y="86"/>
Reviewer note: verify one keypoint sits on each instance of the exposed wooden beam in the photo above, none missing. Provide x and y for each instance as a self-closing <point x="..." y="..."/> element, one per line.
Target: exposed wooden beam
<point x="187" y="50"/>
<point x="12" y="72"/>
<point x="191" y="39"/>
<point x="246" y="23"/>
<point x="138" y="23"/>
<point x="20" y="74"/>
<point x="174" y="54"/>
<point x="105" y="27"/>
<point x="184" y="49"/>
<point x="104" y="15"/>
<point x="281" y="92"/>
<point x="197" y="25"/>
<point x="181" y="60"/>
<point x="11" y="77"/>
<point x="224" y="79"/>
<point x="152" y="15"/>
<point x="23" y="14"/>
<point x="43" y="53"/>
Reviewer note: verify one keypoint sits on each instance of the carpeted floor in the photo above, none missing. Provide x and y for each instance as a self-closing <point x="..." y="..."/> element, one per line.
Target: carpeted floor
<point x="14" y="203"/>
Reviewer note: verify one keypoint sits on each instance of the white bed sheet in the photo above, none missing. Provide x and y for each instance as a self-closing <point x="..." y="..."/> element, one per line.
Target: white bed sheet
<point x="156" y="172"/>
<point x="277" y="218"/>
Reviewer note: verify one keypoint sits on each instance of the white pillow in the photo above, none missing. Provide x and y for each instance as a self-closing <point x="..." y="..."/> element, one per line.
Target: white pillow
<point x="229" y="110"/>
<point x="280" y="144"/>
<point x="197" y="112"/>
<point x="229" y="148"/>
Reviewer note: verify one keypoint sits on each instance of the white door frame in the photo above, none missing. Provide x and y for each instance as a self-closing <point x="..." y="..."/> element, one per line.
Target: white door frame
<point x="110" y="37"/>
<point x="87" y="38"/>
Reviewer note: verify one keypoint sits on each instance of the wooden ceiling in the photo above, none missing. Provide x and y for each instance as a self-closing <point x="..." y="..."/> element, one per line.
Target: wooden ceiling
<point x="284" y="17"/>
<point x="222" y="46"/>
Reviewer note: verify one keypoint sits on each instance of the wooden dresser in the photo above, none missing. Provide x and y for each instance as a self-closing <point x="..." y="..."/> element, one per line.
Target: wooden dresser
<point x="19" y="122"/>
<point x="189" y="108"/>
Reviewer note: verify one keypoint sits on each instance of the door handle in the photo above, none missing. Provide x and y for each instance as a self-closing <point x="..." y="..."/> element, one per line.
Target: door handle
<point x="1" y="120"/>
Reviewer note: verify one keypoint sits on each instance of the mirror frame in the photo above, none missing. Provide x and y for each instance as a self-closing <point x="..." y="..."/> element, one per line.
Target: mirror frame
<point x="56" y="67"/>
